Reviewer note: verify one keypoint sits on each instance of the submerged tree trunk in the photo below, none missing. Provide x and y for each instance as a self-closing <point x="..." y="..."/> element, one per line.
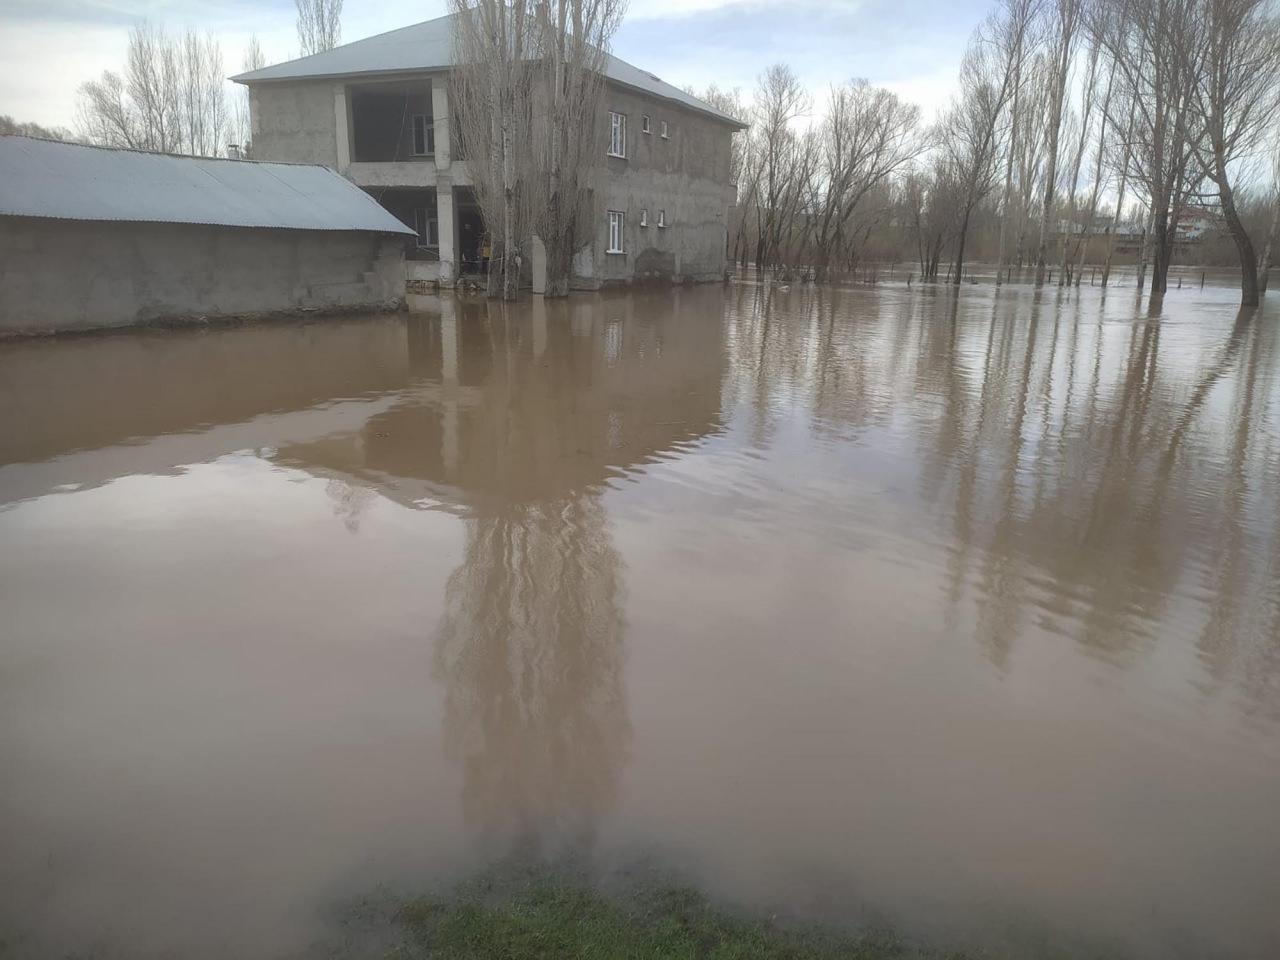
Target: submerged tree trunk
<point x="1269" y="251"/>
<point x="1244" y="244"/>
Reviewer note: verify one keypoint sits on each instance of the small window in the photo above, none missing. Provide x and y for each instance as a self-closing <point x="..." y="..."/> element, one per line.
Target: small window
<point x="662" y="218"/>
<point x="663" y="128"/>
<point x="644" y="123"/>
<point x="617" y="231"/>
<point x="424" y="136"/>
<point x="644" y="217"/>
<point x="617" y="135"/>
<point x="428" y="228"/>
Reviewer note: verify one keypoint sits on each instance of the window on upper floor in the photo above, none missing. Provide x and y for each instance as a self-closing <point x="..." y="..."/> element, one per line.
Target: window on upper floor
<point x="424" y="135"/>
<point x="644" y="123"/>
<point x="617" y="232"/>
<point x="617" y="135"/>
<point x="663" y="131"/>
<point x="644" y="216"/>
<point x="662" y="218"/>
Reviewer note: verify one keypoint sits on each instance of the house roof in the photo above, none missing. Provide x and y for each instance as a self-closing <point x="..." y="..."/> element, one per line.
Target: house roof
<point x="72" y="181"/>
<point x="429" y="46"/>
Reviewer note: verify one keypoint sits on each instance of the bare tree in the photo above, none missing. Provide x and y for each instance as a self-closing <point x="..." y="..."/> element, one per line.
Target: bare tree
<point x="241" y="122"/>
<point x="171" y="97"/>
<point x="1066" y="25"/>
<point x="1153" y="46"/>
<point x="867" y="137"/>
<point x="202" y="109"/>
<point x="1099" y="175"/>
<point x="1077" y="159"/>
<point x="319" y="25"/>
<point x="971" y="136"/>
<point x="1273" y="236"/>
<point x="1125" y="156"/>
<point x="572" y="40"/>
<point x="12" y="127"/>
<point x="492" y="85"/>
<point x="1236" y="100"/>
<point x="780" y="100"/>
<point x="1024" y="12"/>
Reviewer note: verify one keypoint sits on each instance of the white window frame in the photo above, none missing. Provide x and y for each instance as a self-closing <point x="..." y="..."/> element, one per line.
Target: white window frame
<point x="617" y="232"/>
<point x="617" y="135"/>
<point x="428" y="135"/>
<point x="662" y="128"/>
<point x="424" y="222"/>
<point x="644" y="216"/>
<point x="662" y="218"/>
<point x="644" y="123"/>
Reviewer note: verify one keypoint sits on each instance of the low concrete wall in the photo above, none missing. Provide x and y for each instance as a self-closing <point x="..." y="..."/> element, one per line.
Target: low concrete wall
<point x="59" y="275"/>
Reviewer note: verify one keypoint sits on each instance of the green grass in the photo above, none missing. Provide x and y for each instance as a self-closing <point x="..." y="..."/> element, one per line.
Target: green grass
<point x="555" y="918"/>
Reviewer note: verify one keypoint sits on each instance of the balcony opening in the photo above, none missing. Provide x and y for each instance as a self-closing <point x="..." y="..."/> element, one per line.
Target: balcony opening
<point x="391" y="122"/>
<point x="416" y="209"/>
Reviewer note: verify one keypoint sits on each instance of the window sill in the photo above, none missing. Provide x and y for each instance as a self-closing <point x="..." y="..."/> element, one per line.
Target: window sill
<point x="618" y="156"/>
<point x="615" y="253"/>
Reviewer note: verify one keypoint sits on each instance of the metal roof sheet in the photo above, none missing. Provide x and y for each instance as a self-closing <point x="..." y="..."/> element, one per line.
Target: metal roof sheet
<point x="429" y="46"/>
<point x="72" y="181"/>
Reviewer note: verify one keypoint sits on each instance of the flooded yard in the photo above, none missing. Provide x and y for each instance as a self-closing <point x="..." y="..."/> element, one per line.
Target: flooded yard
<point x="956" y="612"/>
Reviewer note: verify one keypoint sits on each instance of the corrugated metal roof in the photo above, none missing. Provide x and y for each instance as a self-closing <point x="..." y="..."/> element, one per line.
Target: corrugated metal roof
<point x="72" y="181"/>
<point x="429" y="46"/>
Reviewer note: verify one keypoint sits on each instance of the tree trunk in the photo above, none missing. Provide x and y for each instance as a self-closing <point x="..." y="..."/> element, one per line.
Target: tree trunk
<point x="1269" y="251"/>
<point x="1244" y="244"/>
<point x="959" y="264"/>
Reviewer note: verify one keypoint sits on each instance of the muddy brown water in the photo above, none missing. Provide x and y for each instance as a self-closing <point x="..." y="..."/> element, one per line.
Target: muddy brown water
<point x="881" y="604"/>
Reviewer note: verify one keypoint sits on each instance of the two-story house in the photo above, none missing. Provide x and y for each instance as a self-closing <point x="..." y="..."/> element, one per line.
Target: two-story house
<point x="377" y="111"/>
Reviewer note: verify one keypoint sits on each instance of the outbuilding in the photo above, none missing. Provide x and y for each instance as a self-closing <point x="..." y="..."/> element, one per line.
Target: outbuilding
<point x="99" y="237"/>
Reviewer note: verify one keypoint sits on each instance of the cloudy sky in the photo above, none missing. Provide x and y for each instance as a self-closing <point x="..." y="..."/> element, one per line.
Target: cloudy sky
<point x="48" y="47"/>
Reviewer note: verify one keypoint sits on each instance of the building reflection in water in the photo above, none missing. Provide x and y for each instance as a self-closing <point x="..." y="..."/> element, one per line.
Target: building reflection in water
<point x="516" y="419"/>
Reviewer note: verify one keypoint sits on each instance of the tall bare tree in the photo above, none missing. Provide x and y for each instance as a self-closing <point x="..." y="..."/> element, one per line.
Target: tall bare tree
<point x="1066" y="17"/>
<point x="1157" y="57"/>
<point x="1237" y="101"/>
<point x="783" y="157"/>
<point x="171" y="97"/>
<point x="1077" y="160"/>
<point x="1269" y="251"/>
<point x="1023" y="11"/>
<point x="493" y="87"/>
<point x="971" y="137"/>
<point x="869" y="134"/>
<point x="572" y="42"/>
<point x="319" y="25"/>
<point x="242" y="129"/>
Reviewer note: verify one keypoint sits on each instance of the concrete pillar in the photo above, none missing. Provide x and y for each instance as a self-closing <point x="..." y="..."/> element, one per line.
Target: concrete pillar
<point x="538" y="254"/>
<point x="447" y="227"/>
<point x="341" y="116"/>
<point x="441" y="121"/>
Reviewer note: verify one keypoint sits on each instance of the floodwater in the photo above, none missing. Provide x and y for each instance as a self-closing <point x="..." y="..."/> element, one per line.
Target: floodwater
<point x="956" y="612"/>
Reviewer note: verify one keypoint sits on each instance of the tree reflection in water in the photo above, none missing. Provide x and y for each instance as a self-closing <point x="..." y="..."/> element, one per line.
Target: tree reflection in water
<point x="531" y="652"/>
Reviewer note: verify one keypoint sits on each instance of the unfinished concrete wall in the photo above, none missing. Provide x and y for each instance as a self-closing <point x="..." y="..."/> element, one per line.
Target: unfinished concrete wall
<point x="296" y="122"/>
<point x="58" y="275"/>
<point x="684" y="175"/>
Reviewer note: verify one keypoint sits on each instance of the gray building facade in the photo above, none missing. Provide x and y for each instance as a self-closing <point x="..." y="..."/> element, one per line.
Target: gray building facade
<point x="95" y="237"/>
<point x="377" y="111"/>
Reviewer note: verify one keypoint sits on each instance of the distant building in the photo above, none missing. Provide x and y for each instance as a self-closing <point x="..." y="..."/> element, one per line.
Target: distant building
<point x="1194" y="222"/>
<point x="98" y="237"/>
<point x="377" y="111"/>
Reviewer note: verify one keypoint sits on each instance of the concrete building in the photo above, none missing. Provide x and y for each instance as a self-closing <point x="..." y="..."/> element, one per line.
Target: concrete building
<point x="377" y="111"/>
<point x="97" y="237"/>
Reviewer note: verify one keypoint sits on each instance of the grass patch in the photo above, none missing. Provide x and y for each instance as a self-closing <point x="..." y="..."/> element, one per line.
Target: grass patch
<point x="552" y="917"/>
